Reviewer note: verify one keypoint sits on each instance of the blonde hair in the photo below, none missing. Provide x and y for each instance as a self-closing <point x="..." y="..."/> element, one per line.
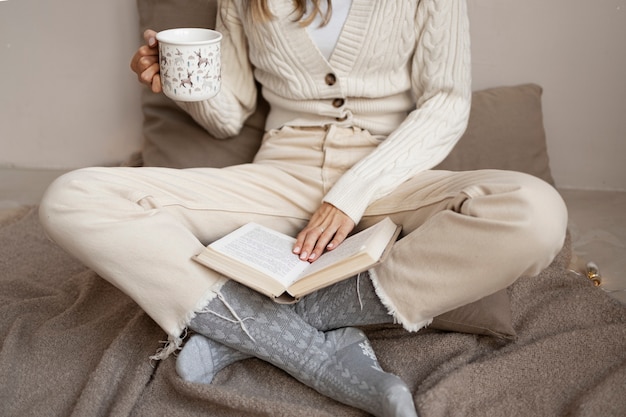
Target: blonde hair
<point x="260" y="11"/>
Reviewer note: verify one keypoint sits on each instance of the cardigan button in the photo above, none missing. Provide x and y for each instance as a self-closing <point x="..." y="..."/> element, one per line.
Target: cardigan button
<point x="338" y="102"/>
<point x="341" y="119"/>
<point x="330" y="79"/>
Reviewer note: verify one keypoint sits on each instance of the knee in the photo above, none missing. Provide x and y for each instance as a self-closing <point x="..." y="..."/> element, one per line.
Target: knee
<point x="543" y="224"/>
<point x="64" y="195"/>
<point x="528" y="215"/>
<point x="66" y="189"/>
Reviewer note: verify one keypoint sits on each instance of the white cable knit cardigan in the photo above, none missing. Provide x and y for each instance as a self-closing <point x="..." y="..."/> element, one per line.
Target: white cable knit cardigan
<point x="400" y="69"/>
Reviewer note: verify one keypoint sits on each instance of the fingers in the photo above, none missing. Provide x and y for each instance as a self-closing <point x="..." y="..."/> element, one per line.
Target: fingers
<point x="145" y="62"/>
<point x="314" y="242"/>
<point x="156" y="84"/>
<point x="327" y="228"/>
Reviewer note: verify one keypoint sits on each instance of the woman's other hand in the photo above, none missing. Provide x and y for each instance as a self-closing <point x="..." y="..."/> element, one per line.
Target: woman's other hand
<point x="327" y="228"/>
<point x="145" y="62"/>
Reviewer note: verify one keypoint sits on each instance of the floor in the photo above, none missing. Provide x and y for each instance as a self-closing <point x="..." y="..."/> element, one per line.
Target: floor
<point x="597" y="223"/>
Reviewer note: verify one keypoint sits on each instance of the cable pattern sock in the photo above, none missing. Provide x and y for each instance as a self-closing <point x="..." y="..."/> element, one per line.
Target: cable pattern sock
<point x="351" y="302"/>
<point x="339" y="364"/>
<point x="202" y="358"/>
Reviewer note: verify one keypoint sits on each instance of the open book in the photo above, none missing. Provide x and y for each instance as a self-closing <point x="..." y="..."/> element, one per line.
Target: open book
<point x="262" y="259"/>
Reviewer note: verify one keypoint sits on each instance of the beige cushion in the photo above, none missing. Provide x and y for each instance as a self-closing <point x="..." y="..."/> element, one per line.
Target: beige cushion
<point x="490" y="316"/>
<point x="505" y="131"/>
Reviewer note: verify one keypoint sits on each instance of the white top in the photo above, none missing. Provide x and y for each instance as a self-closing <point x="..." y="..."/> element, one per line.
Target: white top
<point x="325" y="37"/>
<point x="399" y="69"/>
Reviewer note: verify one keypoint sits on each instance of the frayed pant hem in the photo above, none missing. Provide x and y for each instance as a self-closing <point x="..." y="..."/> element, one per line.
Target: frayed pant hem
<point x="409" y="325"/>
<point x="175" y="340"/>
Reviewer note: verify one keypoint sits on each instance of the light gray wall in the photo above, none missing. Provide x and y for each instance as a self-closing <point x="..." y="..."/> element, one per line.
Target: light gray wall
<point x="68" y="98"/>
<point x="67" y="95"/>
<point x="575" y="49"/>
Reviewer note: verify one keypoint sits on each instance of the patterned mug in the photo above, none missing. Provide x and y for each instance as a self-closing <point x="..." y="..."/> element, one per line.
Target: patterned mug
<point x="190" y="63"/>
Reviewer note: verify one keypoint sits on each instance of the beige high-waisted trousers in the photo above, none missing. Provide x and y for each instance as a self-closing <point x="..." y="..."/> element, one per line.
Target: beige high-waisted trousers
<point x="465" y="235"/>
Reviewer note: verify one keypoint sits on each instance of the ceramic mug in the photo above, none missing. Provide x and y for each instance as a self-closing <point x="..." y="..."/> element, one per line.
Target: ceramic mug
<point x="190" y="63"/>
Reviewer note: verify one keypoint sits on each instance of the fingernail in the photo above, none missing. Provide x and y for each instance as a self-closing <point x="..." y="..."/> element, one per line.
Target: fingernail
<point x="330" y="246"/>
<point x="297" y="249"/>
<point x="151" y="41"/>
<point x="312" y="257"/>
<point x="303" y="256"/>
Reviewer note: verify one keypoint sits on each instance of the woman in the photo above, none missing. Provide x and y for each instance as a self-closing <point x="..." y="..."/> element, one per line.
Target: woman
<point x="361" y="109"/>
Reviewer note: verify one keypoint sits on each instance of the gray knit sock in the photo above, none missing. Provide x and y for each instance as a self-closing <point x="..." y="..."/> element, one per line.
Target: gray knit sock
<point x="352" y="302"/>
<point x="202" y="358"/>
<point x="339" y="364"/>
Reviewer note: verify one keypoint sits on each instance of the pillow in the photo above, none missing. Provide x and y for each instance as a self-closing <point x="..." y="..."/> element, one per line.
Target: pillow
<point x="491" y="316"/>
<point x="505" y="131"/>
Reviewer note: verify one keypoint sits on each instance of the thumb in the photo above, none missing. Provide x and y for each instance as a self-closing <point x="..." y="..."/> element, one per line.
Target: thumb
<point x="150" y="37"/>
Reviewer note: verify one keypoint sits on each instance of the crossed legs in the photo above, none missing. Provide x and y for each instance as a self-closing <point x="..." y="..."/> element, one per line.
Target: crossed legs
<point x="465" y="236"/>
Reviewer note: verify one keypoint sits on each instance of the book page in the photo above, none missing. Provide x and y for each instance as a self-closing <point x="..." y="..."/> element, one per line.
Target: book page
<point x="265" y="250"/>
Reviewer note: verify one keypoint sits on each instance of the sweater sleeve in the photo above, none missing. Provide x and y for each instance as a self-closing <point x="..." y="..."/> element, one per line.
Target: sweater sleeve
<point x="223" y="115"/>
<point x="441" y="82"/>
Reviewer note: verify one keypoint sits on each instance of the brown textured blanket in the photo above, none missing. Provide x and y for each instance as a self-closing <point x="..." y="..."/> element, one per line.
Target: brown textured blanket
<point x="73" y="345"/>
